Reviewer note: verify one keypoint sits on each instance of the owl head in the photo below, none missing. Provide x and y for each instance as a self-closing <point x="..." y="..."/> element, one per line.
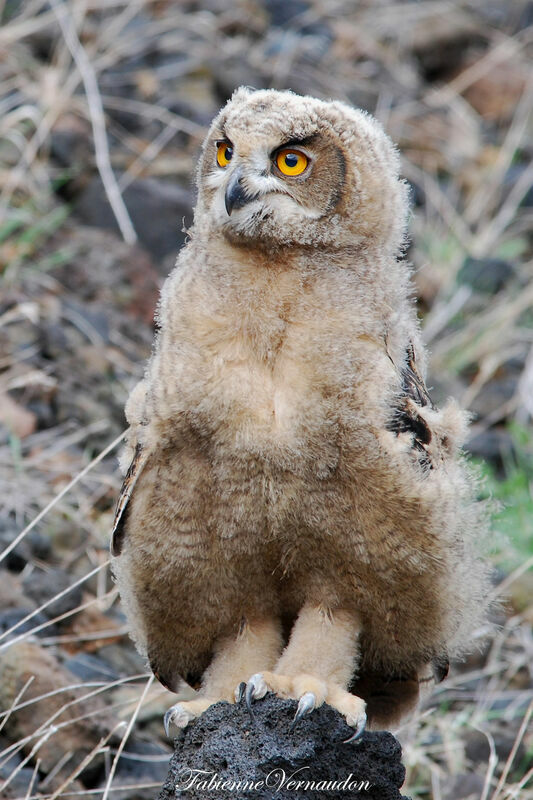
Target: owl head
<point x="278" y="169"/>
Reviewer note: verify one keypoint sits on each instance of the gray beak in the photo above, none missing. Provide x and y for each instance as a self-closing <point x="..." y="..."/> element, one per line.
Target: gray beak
<point x="236" y="196"/>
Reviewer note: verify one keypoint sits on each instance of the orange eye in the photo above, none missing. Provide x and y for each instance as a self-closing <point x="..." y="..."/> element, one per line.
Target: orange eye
<point x="224" y="153"/>
<point x="291" y="162"/>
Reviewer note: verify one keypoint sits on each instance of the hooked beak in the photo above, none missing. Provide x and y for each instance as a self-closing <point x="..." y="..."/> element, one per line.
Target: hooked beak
<point x="236" y="195"/>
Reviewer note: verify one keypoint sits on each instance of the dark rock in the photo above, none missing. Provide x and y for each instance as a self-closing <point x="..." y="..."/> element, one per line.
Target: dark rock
<point x="88" y="667"/>
<point x="17" y="558"/>
<point x="39" y="544"/>
<point x="493" y="396"/>
<point x="291" y="14"/>
<point x="235" y="74"/>
<point x="43" y="39"/>
<point x="141" y="763"/>
<point x="53" y="340"/>
<point x="92" y="320"/>
<point x="65" y="538"/>
<point x="525" y="18"/>
<point x="144" y="761"/>
<point x="513" y="174"/>
<point x="11" y="591"/>
<point x="514" y="702"/>
<point x="12" y="761"/>
<point x="12" y="616"/>
<point x="467" y="786"/>
<point x="34" y="545"/>
<point x="477" y="748"/>
<point x="157" y="210"/>
<point x="130" y="789"/>
<point x="440" y="55"/>
<point x="282" y="12"/>
<point x="123" y="658"/>
<point x="227" y="745"/>
<point x="71" y="147"/>
<point x="494" y="445"/>
<point x="417" y="194"/>
<point x="10" y="10"/>
<point x="486" y="275"/>
<point x="84" y="718"/>
<point x="65" y="146"/>
<point x="45" y="415"/>
<point x="42" y="585"/>
<point x="19" y="786"/>
<point x="107" y="274"/>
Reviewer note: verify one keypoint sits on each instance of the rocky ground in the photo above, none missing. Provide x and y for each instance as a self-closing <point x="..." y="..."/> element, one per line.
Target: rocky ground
<point x="451" y="83"/>
<point x="262" y="757"/>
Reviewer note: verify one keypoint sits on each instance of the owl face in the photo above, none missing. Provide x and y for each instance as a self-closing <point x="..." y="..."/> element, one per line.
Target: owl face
<point x="278" y="169"/>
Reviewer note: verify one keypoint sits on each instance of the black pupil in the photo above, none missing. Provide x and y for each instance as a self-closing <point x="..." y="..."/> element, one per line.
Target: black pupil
<point x="291" y="159"/>
<point x="228" y="152"/>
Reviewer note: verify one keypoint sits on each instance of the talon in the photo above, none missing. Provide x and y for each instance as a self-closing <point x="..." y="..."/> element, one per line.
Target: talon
<point x="167" y="721"/>
<point x="181" y="714"/>
<point x="306" y="704"/>
<point x="256" y="688"/>
<point x="239" y="691"/>
<point x="248" y="698"/>
<point x="359" y="728"/>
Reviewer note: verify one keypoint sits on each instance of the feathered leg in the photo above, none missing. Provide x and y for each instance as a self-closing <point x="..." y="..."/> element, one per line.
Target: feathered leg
<point x="317" y="666"/>
<point x="258" y="644"/>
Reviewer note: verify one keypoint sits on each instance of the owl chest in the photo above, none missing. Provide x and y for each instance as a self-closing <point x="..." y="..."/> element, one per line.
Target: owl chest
<point x="261" y="399"/>
<point x="260" y="392"/>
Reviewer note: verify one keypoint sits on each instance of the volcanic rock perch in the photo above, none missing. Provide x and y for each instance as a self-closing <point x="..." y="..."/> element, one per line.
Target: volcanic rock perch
<point x="226" y="754"/>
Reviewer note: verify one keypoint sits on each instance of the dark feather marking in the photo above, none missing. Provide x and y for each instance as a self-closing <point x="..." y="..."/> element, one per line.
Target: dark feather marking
<point x="294" y="142"/>
<point x="170" y="682"/>
<point x="413" y="383"/>
<point x="405" y="418"/>
<point x="130" y="479"/>
<point x="441" y="668"/>
<point x="338" y="193"/>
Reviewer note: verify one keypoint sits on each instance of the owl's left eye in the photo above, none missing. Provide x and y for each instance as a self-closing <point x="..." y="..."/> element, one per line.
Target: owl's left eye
<point x="291" y="162"/>
<point x="224" y="153"/>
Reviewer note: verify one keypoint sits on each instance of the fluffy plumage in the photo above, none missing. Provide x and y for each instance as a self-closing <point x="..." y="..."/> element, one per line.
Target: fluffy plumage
<point x="289" y="474"/>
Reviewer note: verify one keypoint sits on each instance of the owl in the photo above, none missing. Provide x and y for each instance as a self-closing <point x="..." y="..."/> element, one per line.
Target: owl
<point x="296" y="516"/>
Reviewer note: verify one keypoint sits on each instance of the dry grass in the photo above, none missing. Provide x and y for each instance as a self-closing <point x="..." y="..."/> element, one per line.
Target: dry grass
<point x="461" y="133"/>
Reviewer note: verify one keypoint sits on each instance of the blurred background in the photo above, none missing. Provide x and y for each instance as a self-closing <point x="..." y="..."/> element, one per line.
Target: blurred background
<point x="103" y="107"/>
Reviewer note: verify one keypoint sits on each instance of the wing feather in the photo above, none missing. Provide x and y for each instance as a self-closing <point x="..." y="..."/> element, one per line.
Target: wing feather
<point x="135" y="469"/>
<point x="413" y="397"/>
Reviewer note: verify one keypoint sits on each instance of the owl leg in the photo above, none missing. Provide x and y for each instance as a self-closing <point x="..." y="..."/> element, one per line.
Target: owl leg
<point x="257" y="644"/>
<point x="317" y="666"/>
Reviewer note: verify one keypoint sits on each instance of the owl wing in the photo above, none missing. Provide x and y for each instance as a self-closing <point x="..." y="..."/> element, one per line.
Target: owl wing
<point x="135" y="469"/>
<point x="406" y="413"/>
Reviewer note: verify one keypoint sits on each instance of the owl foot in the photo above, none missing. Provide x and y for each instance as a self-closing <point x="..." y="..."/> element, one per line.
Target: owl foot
<point x="182" y="713"/>
<point x="310" y="692"/>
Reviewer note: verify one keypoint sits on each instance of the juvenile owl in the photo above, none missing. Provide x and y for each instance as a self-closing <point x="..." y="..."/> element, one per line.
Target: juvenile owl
<point x="296" y="516"/>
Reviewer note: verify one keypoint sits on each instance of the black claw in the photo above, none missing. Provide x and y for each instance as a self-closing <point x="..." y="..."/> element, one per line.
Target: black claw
<point x="358" y="732"/>
<point x="248" y="696"/>
<point x="240" y="691"/>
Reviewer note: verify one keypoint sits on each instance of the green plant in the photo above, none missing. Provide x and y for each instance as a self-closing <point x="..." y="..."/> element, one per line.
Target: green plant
<point x="23" y="235"/>
<point x="513" y="493"/>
